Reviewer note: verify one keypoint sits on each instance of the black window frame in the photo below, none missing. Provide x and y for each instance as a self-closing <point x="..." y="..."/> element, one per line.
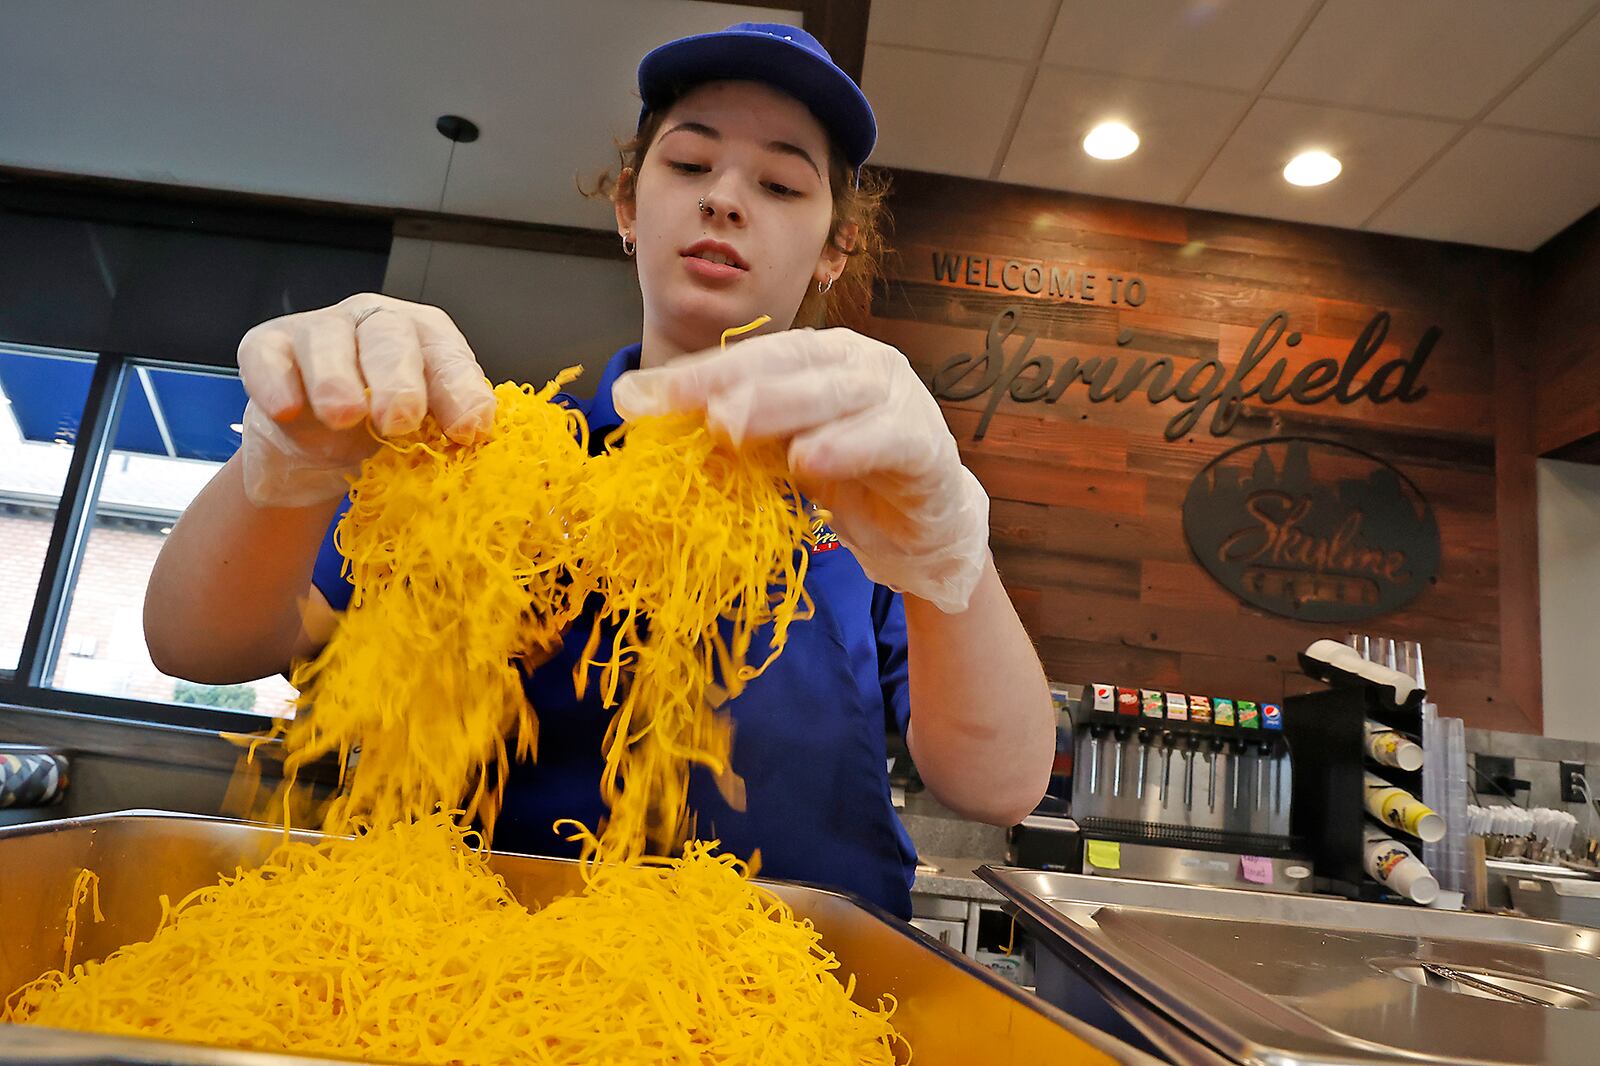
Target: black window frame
<point x="25" y="686"/>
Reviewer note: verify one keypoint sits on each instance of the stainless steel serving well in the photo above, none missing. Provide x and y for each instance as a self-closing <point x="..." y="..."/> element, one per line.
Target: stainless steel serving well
<point x="1296" y="979"/>
<point x="951" y="1010"/>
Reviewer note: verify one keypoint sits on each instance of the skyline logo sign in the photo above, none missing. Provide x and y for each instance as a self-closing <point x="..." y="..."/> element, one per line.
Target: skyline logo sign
<point x="1312" y="530"/>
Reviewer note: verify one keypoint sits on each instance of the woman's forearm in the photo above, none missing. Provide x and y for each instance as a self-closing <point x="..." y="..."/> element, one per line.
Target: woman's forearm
<point x="983" y="729"/>
<point x="230" y="597"/>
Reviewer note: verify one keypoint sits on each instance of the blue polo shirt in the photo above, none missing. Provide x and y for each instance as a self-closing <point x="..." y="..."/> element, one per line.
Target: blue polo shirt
<point x="809" y="733"/>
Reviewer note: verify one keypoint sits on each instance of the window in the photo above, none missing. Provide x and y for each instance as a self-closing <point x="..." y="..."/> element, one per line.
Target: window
<point x="121" y="310"/>
<point x="98" y="458"/>
<point x="36" y="435"/>
<point x="174" y="428"/>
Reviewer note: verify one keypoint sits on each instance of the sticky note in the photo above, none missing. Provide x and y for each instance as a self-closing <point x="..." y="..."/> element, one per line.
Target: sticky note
<point x="1105" y="854"/>
<point x="1257" y="869"/>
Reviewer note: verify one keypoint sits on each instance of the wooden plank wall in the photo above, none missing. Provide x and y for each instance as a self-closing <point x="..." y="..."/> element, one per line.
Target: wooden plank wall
<point x="1086" y="497"/>
<point x="1565" y="330"/>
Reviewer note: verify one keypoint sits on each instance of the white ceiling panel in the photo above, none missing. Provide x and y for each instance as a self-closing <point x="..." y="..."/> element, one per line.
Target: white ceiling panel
<point x="1379" y="153"/>
<point x="236" y="95"/>
<point x="553" y="86"/>
<point x="1180" y="127"/>
<point x="1501" y="188"/>
<point x="1563" y="95"/>
<point x="337" y="101"/>
<point x="938" y="111"/>
<point x="1012" y="29"/>
<point x="1447" y="58"/>
<point x="1230" y="44"/>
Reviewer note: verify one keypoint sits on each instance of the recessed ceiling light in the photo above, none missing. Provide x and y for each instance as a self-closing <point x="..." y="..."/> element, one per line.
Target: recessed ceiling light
<point x="1312" y="168"/>
<point x="1111" y="140"/>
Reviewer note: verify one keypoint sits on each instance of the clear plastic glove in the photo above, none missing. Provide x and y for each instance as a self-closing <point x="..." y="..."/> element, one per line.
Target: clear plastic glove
<point x="866" y="440"/>
<point x="315" y="379"/>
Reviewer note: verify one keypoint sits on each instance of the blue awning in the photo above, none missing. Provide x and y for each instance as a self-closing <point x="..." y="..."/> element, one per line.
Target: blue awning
<point x="177" y="413"/>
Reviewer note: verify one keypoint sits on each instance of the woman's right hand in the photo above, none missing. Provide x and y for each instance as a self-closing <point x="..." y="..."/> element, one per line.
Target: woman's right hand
<point x="315" y="378"/>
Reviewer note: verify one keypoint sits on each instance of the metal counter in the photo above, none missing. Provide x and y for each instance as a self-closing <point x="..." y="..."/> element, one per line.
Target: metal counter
<point x="951" y="1010"/>
<point x="1319" y="981"/>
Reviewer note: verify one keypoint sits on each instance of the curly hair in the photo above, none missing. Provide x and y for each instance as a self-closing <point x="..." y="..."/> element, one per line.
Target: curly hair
<point x="859" y="219"/>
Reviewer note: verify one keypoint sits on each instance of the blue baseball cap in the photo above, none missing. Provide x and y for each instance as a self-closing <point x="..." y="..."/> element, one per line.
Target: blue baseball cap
<point x="785" y="57"/>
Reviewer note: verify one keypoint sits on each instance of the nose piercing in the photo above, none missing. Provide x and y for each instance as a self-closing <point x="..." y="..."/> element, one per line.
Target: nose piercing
<point x="704" y="210"/>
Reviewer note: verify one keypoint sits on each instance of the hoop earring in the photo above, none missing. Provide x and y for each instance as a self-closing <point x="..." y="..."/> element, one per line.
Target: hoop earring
<point x="628" y="245"/>
<point x="824" y="286"/>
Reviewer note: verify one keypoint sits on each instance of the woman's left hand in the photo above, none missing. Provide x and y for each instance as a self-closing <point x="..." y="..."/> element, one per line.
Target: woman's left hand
<point x="866" y="440"/>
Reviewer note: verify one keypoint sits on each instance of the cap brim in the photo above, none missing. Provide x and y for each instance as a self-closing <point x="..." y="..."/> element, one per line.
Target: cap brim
<point x="735" y="55"/>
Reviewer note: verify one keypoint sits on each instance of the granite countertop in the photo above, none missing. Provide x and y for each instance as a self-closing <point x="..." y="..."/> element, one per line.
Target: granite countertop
<point x="953" y="878"/>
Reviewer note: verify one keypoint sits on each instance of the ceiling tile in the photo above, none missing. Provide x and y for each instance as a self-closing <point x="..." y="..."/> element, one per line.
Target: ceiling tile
<point x="1501" y="188"/>
<point x="1012" y="30"/>
<point x="253" y="100"/>
<point x="299" y="98"/>
<point x="1379" y="154"/>
<point x="1179" y="128"/>
<point x="1434" y="57"/>
<point x="940" y="112"/>
<point x="1228" y="45"/>
<point x="1563" y="95"/>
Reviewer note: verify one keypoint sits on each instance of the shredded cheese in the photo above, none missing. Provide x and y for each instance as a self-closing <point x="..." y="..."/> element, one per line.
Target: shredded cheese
<point x="468" y="560"/>
<point x="85" y="889"/>
<point x="469" y="563"/>
<point x="403" y="946"/>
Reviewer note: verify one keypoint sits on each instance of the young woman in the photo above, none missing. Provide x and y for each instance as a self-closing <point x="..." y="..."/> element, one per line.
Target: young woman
<point x="740" y="197"/>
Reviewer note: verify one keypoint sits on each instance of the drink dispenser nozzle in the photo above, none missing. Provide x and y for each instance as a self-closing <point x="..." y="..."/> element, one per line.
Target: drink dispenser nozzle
<point x="1166" y="764"/>
<point x="1236" y="748"/>
<point x="1263" y="751"/>
<point x="1091" y="742"/>
<point x="1214" y="746"/>
<point x="1143" y="740"/>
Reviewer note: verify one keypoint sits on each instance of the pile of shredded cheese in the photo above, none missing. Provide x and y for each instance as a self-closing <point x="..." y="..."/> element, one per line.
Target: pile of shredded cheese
<point x="403" y="946"/>
<point x="695" y="549"/>
<point x="462" y="561"/>
<point x="399" y="943"/>
<point x="468" y="559"/>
